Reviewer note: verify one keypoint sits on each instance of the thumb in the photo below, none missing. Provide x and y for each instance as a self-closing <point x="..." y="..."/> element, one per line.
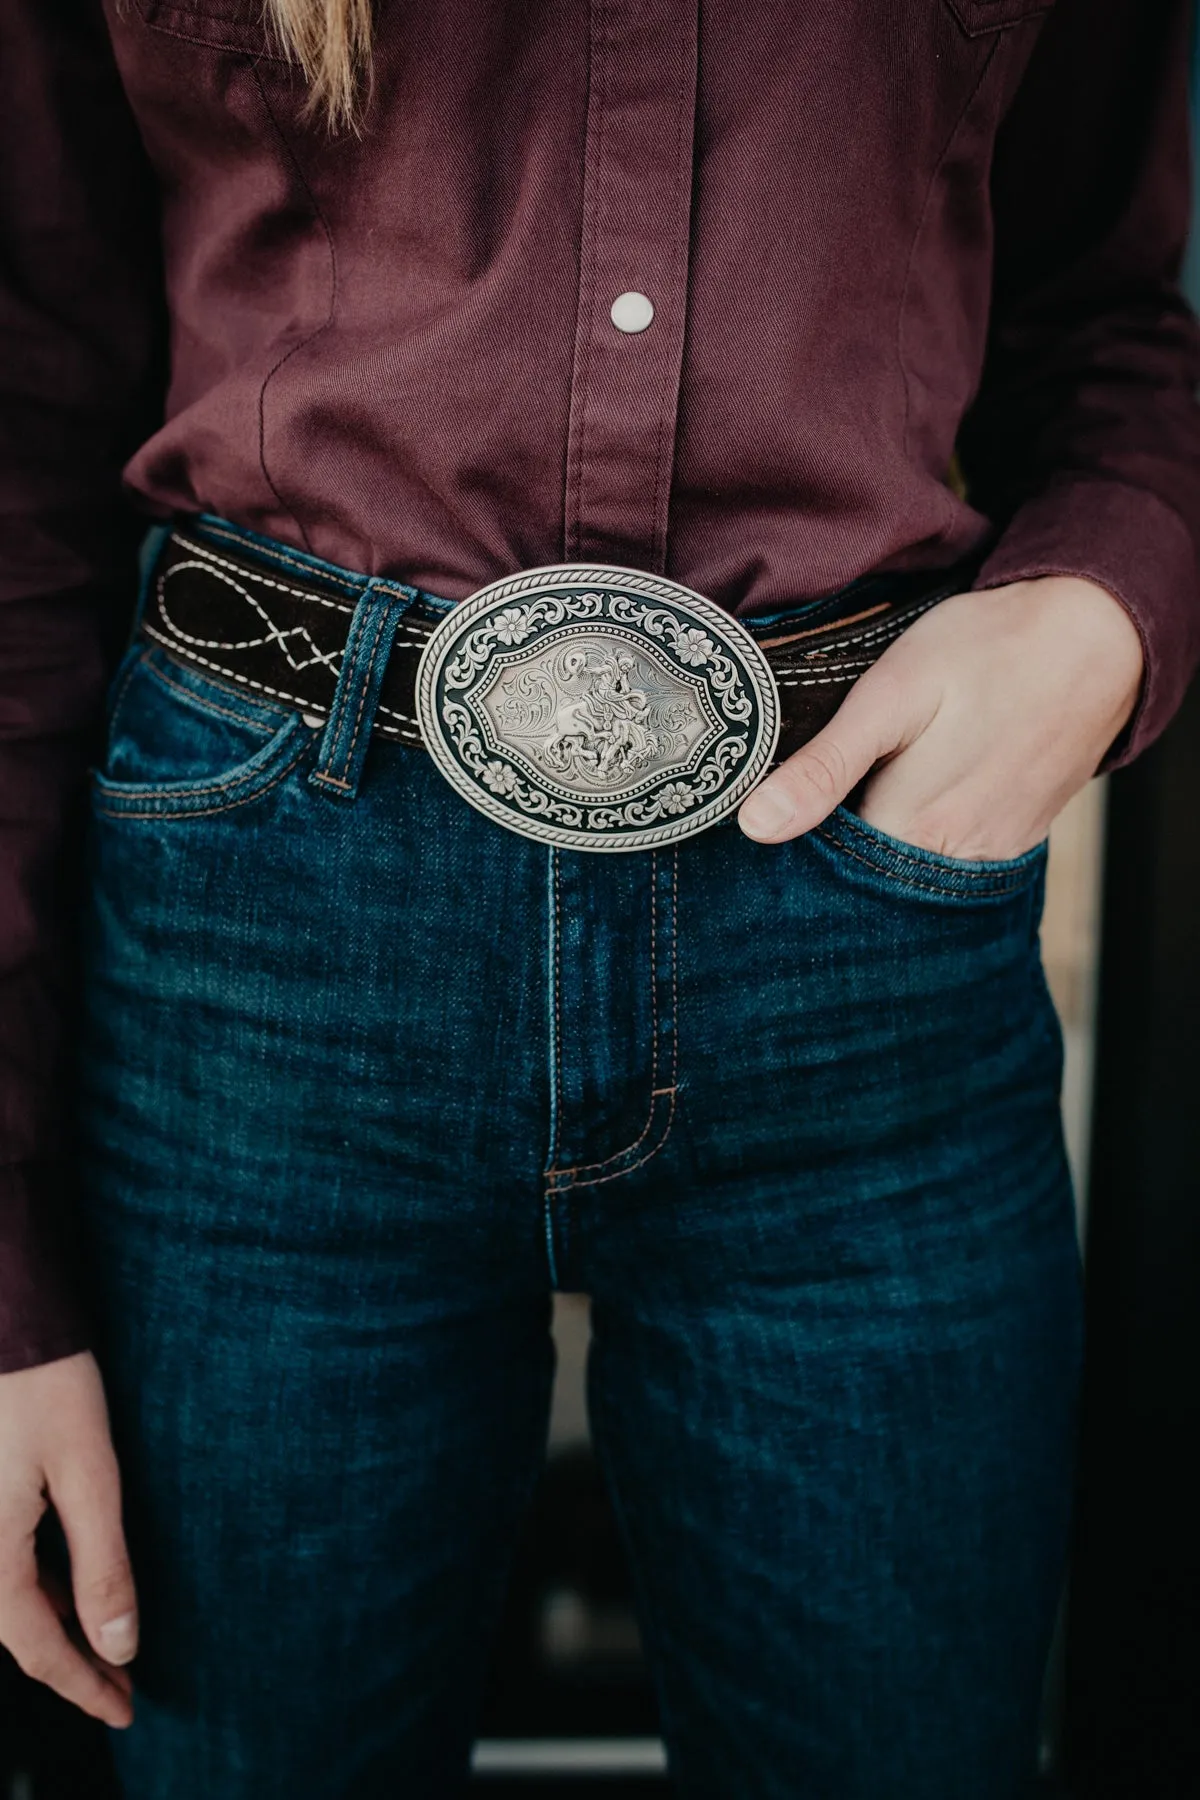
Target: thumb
<point x="809" y="784"/>
<point x="87" y="1498"/>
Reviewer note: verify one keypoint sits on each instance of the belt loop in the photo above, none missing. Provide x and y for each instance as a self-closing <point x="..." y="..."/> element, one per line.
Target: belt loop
<point x="352" y="714"/>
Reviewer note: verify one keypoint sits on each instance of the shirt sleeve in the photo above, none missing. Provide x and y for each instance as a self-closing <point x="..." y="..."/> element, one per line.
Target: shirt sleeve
<point x="80" y="351"/>
<point x="1084" y="442"/>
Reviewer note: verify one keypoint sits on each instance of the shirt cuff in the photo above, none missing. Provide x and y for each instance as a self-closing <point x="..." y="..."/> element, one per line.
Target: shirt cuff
<point x="1137" y="546"/>
<point x="40" y="1317"/>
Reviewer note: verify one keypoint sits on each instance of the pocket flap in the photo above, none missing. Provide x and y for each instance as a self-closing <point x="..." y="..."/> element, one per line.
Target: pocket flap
<point x="222" y="24"/>
<point x="978" y="17"/>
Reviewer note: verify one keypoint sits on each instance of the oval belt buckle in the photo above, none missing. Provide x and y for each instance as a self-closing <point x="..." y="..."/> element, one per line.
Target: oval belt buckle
<point x="597" y="707"/>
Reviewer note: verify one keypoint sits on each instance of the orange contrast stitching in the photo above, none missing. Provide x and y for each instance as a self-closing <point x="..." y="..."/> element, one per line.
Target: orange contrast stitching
<point x="877" y="868"/>
<point x="364" y="690"/>
<point x="211" y="706"/>
<point x="197" y="812"/>
<point x="578" y="1173"/>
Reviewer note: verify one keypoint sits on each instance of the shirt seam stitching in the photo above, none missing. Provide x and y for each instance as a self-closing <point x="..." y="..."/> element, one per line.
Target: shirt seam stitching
<point x="910" y="264"/>
<point x="311" y="336"/>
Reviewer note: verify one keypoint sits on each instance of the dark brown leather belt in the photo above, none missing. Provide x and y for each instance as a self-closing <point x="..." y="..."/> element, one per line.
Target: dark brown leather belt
<point x="278" y="626"/>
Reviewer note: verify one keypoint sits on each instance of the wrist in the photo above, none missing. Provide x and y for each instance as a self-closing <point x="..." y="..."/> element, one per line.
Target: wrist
<point x="1086" y="631"/>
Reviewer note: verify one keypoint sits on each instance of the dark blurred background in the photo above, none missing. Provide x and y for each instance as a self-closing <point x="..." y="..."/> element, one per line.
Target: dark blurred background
<point x="571" y="1713"/>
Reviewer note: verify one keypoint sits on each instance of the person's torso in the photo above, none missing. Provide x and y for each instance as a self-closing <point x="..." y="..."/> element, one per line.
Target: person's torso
<point x="396" y="346"/>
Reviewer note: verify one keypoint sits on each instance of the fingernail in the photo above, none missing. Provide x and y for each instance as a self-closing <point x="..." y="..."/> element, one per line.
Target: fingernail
<point x="118" y="1639"/>
<point x="766" y="813"/>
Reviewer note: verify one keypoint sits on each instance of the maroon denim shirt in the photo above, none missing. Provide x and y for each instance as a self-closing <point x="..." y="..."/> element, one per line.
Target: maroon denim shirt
<point x="870" y="231"/>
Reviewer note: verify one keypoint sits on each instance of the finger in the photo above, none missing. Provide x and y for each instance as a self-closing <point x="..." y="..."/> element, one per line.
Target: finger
<point x="87" y="1498"/>
<point x="805" y="789"/>
<point x="32" y="1632"/>
<point x="59" y="1596"/>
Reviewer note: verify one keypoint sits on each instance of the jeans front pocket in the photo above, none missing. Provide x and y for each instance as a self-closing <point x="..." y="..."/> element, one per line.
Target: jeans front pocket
<point x="180" y="745"/>
<point x="890" y="864"/>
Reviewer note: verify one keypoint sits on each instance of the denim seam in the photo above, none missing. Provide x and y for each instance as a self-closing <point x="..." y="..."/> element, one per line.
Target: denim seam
<point x="380" y="632"/>
<point x="649" y="1620"/>
<point x="119" y="696"/>
<point x="586" y="1180"/>
<point x="855" y="829"/>
<point x="802" y="611"/>
<point x="554" y="973"/>
<point x="269" y="552"/>
<point x="889" y="628"/>
<point x="976" y="878"/>
<point x="619" y="1155"/>
<point x="166" y="809"/>
<point x="579" y="1173"/>
<point x="557" y="1011"/>
<point x="221" y="785"/>
<point x="207" y="705"/>
<point x="321" y="714"/>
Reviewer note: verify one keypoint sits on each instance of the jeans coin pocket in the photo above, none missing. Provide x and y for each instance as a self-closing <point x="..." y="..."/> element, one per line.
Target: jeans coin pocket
<point x="179" y="744"/>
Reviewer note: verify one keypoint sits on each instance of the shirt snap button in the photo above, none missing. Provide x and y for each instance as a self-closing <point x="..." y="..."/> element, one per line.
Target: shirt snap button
<point x="631" y="311"/>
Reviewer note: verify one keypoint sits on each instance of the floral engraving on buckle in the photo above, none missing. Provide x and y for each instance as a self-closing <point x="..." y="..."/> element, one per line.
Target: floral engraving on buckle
<point x="597" y="707"/>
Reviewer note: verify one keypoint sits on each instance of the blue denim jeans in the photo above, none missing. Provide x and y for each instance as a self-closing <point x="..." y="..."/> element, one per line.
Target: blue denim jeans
<point x="366" y="1076"/>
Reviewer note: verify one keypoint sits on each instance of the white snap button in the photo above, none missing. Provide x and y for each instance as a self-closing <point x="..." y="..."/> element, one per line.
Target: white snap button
<point x="631" y="311"/>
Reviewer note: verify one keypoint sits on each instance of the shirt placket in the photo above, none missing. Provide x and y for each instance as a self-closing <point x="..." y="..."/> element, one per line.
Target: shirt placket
<point x="632" y="309"/>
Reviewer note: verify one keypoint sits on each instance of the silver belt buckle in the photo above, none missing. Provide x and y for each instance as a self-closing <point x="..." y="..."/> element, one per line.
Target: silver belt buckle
<point x="597" y="707"/>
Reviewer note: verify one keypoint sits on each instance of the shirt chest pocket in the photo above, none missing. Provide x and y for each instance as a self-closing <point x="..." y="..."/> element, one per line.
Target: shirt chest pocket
<point x="222" y="24"/>
<point x="978" y="17"/>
